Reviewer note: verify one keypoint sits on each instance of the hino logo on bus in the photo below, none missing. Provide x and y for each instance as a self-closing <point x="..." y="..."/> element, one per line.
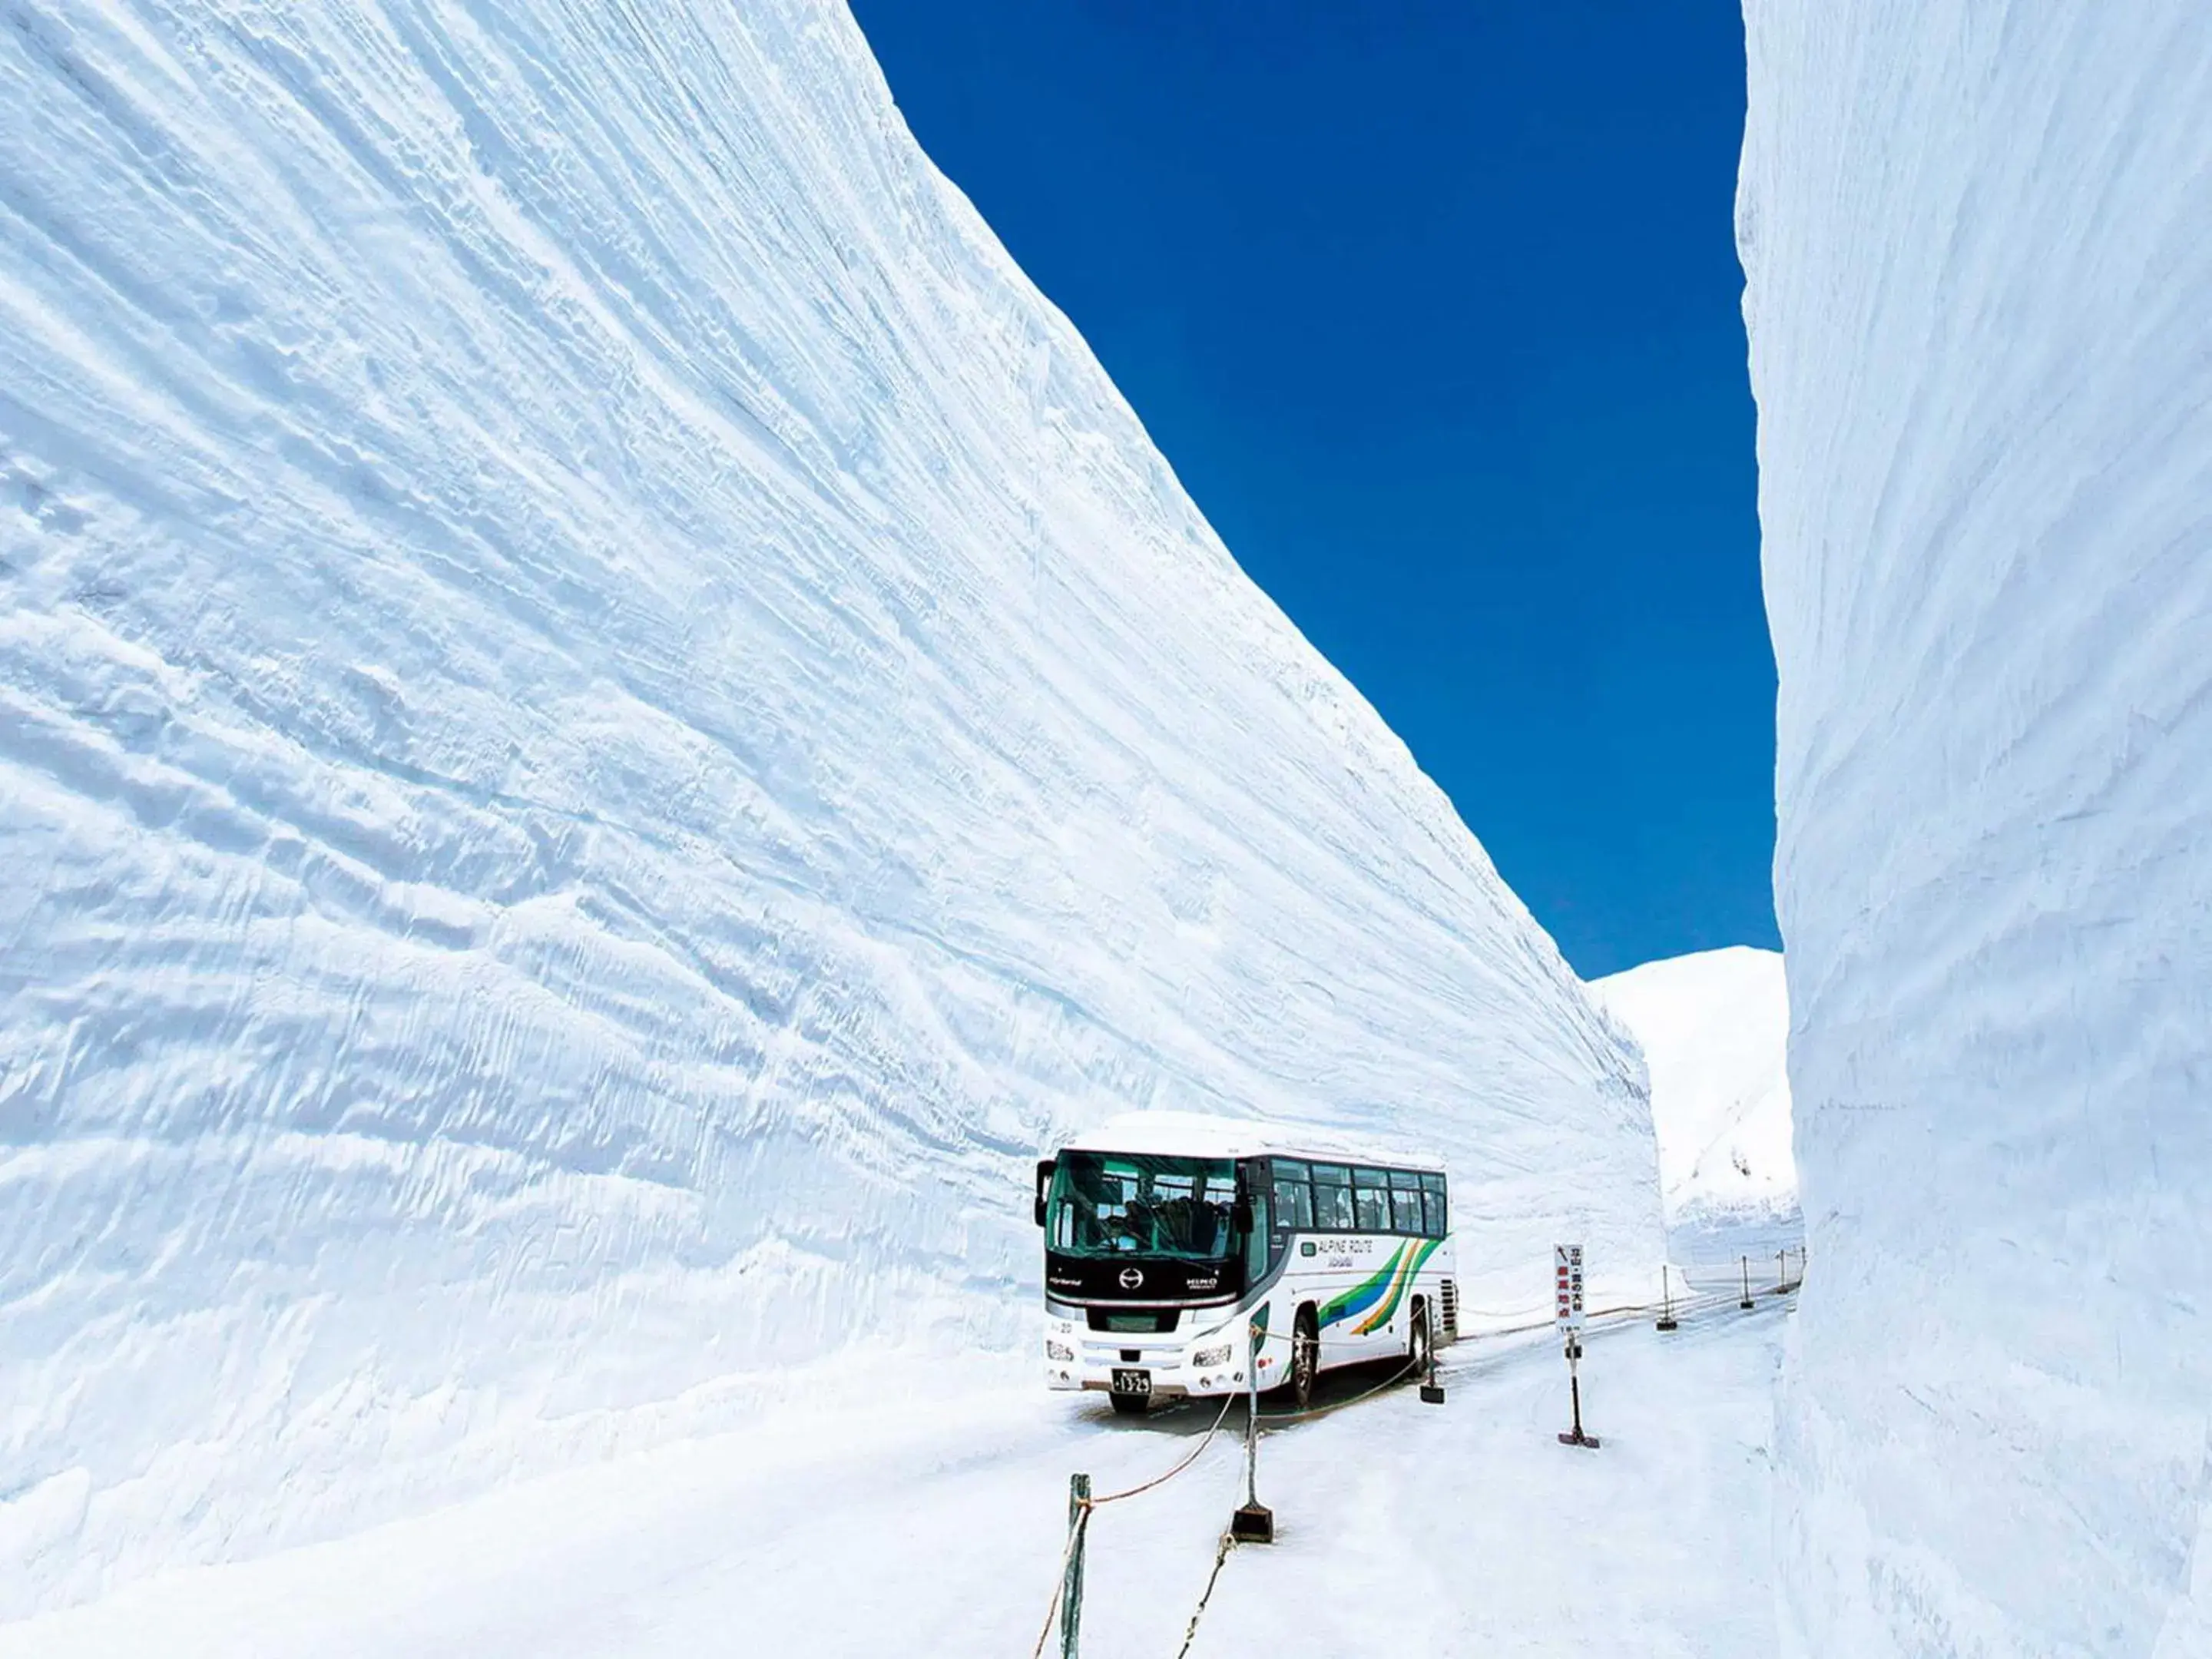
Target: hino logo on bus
<point x="1132" y="1276"/>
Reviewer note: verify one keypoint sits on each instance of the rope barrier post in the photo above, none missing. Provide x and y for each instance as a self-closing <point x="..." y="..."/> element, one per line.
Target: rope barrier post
<point x="1575" y="1436"/>
<point x="1780" y="1272"/>
<point x="1070" y="1589"/>
<point x="1746" y="1303"/>
<point x="1254" y="1523"/>
<point x="1666" y="1299"/>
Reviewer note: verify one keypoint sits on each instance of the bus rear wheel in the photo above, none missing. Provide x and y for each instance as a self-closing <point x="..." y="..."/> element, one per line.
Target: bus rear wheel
<point x="1417" y="1342"/>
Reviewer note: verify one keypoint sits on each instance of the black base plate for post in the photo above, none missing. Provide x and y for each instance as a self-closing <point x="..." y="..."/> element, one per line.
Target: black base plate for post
<point x="1431" y="1395"/>
<point x="1668" y="1325"/>
<point x="1589" y="1440"/>
<point x="1253" y="1523"/>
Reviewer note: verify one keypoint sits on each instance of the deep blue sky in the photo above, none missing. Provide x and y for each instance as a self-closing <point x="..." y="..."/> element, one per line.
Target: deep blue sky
<point x="1433" y="308"/>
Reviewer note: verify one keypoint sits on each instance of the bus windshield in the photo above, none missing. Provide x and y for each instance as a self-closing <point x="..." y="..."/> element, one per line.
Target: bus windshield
<point x="1114" y="1204"/>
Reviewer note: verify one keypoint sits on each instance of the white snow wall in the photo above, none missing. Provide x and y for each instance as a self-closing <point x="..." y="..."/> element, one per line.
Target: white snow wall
<point x="1979" y="241"/>
<point x="605" y="724"/>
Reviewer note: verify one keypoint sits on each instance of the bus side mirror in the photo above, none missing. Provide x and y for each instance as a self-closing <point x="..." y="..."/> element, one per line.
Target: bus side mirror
<point x="1045" y="1167"/>
<point x="1239" y="1216"/>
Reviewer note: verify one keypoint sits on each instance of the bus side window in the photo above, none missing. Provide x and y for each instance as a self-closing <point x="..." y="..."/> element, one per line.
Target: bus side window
<point x="1405" y="1201"/>
<point x="1294" y="1205"/>
<point x="1405" y="1212"/>
<point x="1370" y="1201"/>
<point x="1332" y="1193"/>
<point x="1432" y="1195"/>
<point x="1336" y="1201"/>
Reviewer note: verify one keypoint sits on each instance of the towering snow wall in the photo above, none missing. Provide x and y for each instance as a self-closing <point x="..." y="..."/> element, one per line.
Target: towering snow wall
<point x="1978" y="240"/>
<point x="605" y="724"/>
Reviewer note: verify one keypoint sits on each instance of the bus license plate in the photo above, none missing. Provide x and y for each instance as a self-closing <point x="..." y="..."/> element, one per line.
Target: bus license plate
<point x="1138" y="1383"/>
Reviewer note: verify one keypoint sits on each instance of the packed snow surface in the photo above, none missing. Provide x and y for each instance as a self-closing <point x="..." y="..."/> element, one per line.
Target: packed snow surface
<point x="1714" y="1028"/>
<point x="933" y="1526"/>
<point x="1979" y="240"/>
<point x="605" y="724"/>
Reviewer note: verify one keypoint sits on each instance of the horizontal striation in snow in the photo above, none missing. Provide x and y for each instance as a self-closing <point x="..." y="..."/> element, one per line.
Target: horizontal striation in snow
<point x="605" y="724"/>
<point x="1978" y="240"/>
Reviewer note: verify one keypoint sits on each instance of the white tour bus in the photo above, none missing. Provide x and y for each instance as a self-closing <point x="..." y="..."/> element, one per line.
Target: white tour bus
<point x="1168" y="1235"/>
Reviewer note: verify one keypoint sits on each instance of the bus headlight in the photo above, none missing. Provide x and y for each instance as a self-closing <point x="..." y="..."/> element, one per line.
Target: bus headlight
<point x="1211" y="1356"/>
<point x="1059" y="1350"/>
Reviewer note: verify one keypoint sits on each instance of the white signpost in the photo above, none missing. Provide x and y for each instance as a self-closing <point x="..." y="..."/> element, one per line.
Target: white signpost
<point x="1567" y="1285"/>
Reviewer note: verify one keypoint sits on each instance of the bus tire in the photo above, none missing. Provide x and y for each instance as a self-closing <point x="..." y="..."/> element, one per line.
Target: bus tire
<point x="1130" y="1405"/>
<point x="1305" y="1358"/>
<point x="1418" y="1348"/>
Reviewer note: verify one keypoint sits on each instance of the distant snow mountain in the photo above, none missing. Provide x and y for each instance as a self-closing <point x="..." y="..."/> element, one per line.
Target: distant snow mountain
<point x="606" y="723"/>
<point x="1714" y="1030"/>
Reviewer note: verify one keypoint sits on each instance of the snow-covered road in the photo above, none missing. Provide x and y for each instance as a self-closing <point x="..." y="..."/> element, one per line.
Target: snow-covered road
<point x="932" y="1524"/>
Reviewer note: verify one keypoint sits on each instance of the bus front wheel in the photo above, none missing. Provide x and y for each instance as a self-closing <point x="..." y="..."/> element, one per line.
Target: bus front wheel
<point x="1306" y="1359"/>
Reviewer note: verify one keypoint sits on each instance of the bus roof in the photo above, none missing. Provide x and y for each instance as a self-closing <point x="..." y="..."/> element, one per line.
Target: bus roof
<point x="1195" y="1134"/>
